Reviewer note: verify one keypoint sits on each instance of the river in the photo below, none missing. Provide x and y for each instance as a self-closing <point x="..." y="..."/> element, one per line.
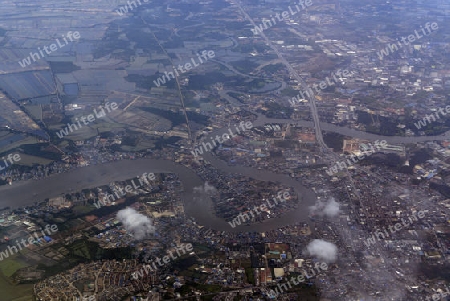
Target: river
<point x="329" y="127"/>
<point x="25" y="193"/>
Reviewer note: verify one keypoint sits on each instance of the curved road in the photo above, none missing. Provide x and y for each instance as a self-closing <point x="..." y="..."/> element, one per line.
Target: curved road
<point x="311" y="100"/>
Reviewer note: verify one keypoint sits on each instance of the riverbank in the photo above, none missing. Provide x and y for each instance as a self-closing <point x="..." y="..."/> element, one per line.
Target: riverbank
<point x="28" y="192"/>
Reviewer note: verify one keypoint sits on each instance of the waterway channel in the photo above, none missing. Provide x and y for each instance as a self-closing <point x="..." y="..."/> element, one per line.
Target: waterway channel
<point x="28" y="192"/>
<point x="200" y="207"/>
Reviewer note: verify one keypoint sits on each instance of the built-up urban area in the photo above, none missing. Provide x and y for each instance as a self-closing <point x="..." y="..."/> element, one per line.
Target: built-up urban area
<point x="334" y="108"/>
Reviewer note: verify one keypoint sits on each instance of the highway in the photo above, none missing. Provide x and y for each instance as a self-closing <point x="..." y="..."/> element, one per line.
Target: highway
<point x="311" y="100"/>
<point x="177" y="81"/>
<point x="327" y="153"/>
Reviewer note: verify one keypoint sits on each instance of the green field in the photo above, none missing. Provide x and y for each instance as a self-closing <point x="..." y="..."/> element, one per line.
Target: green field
<point x="5" y="149"/>
<point x="22" y="292"/>
<point x="35" y="111"/>
<point x="88" y="131"/>
<point x="10" y="265"/>
<point x="28" y="160"/>
<point x="9" y="291"/>
<point x="82" y="210"/>
<point x="25" y="298"/>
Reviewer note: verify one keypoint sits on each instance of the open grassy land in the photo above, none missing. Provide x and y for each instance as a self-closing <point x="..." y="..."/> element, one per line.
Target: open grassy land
<point x="9" y="291"/>
<point x="28" y="160"/>
<point x="9" y="141"/>
<point x="9" y="266"/>
<point x="21" y="292"/>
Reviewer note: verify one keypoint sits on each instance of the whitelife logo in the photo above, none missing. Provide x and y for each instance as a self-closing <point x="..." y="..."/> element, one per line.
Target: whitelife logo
<point x="90" y="118"/>
<point x="124" y="9"/>
<point x="391" y="48"/>
<point x="365" y="152"/>
<point x="205" y="55"/>
<point x="166" y="259"/>
<point x="110" y="198"/>
<point x="207" y="146"/>
<point x="397" y="227"/>
<point x="281" y="288"/>
<point x="245" y="217"/>
<point x="31" y="239"/>
<point x="284" y="16"/>
<point x="423" y="122"/>
<point x="321" y="86"/>
<point x="11" y="158"/>
<point x="35" y="56"/>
